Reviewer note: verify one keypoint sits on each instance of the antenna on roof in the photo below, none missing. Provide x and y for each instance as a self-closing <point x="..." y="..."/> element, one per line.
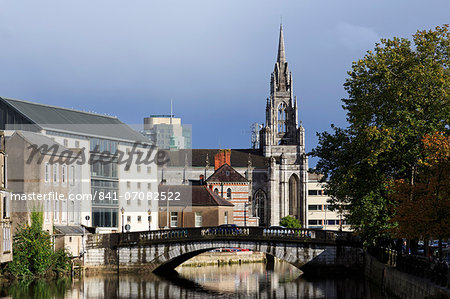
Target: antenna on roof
<point x="171" y="111"/>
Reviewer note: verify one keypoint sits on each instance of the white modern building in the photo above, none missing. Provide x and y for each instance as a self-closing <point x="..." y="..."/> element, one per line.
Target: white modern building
<point x="117" y="169"/>
<point x="320" y="214"/>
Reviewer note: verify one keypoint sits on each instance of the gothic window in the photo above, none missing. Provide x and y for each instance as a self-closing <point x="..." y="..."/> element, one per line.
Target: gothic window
<point x="229" y="193"/>
<point x="216" y="190"/>
<point x="258" y="204"/>
<point x="282" y="118"/>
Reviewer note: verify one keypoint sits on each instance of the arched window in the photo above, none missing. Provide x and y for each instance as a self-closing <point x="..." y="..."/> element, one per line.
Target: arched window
<point x="258" y="205"/>
<point x="216" y="190"/>
<point x="229" y="193"/>
<point x="282" y="118"/>
<point x="294" y="204"/>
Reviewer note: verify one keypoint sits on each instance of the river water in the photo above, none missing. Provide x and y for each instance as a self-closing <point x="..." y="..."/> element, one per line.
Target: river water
<point x="230" y="281"/>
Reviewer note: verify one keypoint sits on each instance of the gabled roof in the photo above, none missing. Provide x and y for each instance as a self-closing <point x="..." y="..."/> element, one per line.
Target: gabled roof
<point x="40" y="141"/>
<point x="73" y="121"/>
<point x="192" y="195"/>
<point x="226" y="173"/>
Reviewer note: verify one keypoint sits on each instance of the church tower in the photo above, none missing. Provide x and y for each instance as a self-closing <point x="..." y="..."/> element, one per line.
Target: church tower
<point x="282" y="140"/>
<point x="281" y="127"/>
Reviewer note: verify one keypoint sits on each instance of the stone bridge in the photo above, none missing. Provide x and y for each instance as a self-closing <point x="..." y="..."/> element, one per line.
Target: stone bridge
<point x="158" y="251"/>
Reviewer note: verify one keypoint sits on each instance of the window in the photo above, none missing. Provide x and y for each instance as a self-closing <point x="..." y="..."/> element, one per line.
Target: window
<point x="139" y="185"/>
<point x="149" y="169"/>
<point x="149" y="186"/>
<point x="315" y="192"/>
<point x="138" y="168"/>
<point x="315" y="222"/>
<point x="72" y="175"/>
<point x="282" y="118"/>
<point x="66" y="143"/>
<point x="225" y="220"/>
<point x="6" y="239"/>
<point x="47" y="173"/>
<point x="198" y="219"/>
<point x="5" y="207"/>
<point x="64" y="174"/>
<point x="77" y="144"/>
<point x="128" y="184"/>
<point x="332" y="222"/>
<point x="48" y="210"/>
<point x="139" y="219"/>
<point x="173" y="219"/>
<point x="55" y="173"/>
<point x="55" y="210"/>
<point x="315" y="207"/>
<point x="104" y="217"/>
<point x="128" y="219"/>
<point x="229" y="193"/>
<point x="70" y="239"/>
<point x="216" y="190"/>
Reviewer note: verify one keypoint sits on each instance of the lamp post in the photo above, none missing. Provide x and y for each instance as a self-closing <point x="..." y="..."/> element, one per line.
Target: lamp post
<point x="149" y="212"/>
<point x="122" y="210"/>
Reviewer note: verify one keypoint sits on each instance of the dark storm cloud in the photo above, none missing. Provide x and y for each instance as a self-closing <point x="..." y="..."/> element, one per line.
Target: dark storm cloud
<point x="213" y="58"/>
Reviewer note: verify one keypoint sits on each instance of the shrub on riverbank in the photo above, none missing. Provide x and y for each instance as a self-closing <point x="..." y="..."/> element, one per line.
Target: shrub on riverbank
<point x="33" y="255"/>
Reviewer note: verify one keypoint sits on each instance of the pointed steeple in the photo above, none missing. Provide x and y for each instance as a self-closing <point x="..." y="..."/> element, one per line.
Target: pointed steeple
<point x="281" y="54"/>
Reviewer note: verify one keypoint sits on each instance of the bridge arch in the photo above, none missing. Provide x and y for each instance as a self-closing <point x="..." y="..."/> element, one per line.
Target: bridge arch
<point x="164" y="250"/>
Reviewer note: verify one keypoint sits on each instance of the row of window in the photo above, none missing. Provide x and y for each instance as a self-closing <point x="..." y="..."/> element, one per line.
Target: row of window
<point x="62" y="210"/>
<point x="324" y="207"/>
<point x="52" y="173"/>
<point x="138" y="185"/>
<point x="326" y="222"/>
<point x="228" y="192"/>
<point x="316" y="192"/>
<point x="139" y="219"/>
<point x="138" y="169"/>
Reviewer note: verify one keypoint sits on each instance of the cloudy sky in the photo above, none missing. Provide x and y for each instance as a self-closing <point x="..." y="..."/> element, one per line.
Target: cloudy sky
<point x="212" y="58"/>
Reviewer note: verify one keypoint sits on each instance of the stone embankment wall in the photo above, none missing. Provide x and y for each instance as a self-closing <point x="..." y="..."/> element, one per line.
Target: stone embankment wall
<point x="401" y="284"/>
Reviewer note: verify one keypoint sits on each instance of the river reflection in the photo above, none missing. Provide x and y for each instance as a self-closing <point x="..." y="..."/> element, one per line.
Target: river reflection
<point x="231" y="281"/>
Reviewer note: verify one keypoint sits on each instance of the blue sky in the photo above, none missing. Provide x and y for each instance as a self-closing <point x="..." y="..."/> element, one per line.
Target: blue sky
<point x="212" y="58"/>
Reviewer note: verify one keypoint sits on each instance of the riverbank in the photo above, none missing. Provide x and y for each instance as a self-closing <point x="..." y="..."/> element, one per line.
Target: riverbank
<point x="399" y="284"/>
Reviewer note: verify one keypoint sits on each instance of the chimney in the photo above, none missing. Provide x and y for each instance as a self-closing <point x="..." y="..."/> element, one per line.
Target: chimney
<point x="223" y="157"/>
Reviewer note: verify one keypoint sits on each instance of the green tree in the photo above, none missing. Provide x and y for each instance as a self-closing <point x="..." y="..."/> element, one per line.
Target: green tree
<point x="290" y="222"/>
<point x="397" y="94"/>
<point x="33" y="255"/>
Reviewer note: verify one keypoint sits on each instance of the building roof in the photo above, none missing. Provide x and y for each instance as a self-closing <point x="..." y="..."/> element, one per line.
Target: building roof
<point x="74" y="121"/>
<point x="226" y="173"/>
<point x="193" y="195"/>
<point x="69" y="230"/>
<point x="198" y="157"/>
<point x="41" y="141"/>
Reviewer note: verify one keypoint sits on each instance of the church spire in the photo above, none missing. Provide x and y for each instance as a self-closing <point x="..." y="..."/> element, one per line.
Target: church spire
<point x="281" y="54"/>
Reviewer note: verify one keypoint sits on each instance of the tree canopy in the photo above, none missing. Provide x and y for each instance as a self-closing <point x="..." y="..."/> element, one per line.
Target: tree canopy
<point x="397" y="94"/>
<point x="290" y="222"/>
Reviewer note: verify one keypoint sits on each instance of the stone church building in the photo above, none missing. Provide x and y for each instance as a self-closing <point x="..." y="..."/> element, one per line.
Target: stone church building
<point x="276" y="172"/>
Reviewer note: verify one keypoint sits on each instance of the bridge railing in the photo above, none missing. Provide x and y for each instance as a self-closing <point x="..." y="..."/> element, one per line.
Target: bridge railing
<point x="236" y="232"/>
